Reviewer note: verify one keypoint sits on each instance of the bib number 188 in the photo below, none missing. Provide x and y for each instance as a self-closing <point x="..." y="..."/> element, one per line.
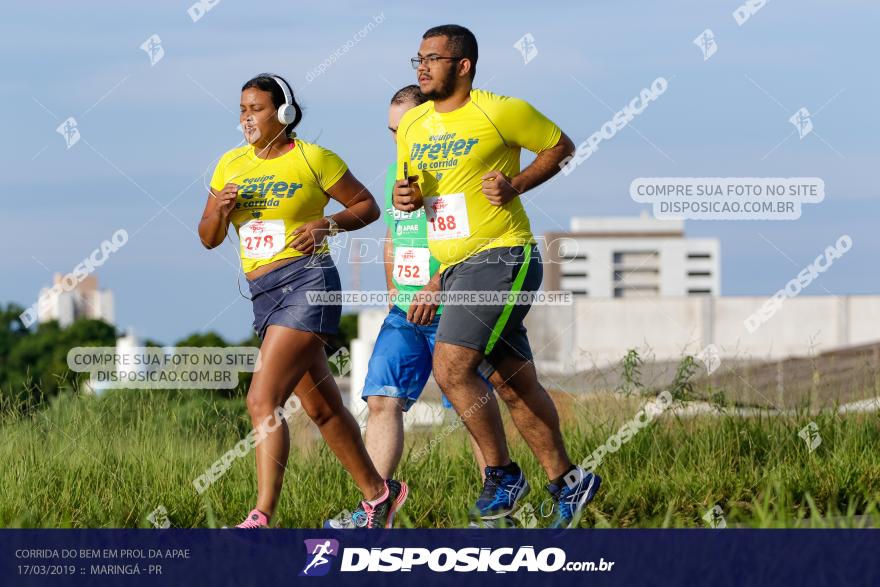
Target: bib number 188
<point x="447" y="217"/>
<point x="440" y="223"/>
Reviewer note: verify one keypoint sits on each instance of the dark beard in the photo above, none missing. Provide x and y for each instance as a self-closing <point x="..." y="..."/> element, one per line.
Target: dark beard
<point x="446" y="89"/>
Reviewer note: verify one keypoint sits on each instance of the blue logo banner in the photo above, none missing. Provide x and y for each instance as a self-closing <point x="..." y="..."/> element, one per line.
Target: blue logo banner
<point x="794" y="558"/>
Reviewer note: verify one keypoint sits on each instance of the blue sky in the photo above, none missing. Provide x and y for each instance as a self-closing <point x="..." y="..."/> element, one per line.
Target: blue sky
<point x="150" y="134"/>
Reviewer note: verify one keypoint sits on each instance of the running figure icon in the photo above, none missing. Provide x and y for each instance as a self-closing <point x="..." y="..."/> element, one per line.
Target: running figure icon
<point x="318" y="555"/>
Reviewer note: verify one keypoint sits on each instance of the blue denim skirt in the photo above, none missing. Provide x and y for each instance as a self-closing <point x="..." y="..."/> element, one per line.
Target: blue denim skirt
<point x="281" y="296"/>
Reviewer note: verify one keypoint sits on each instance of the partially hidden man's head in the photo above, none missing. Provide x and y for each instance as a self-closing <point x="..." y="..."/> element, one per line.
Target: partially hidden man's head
<point x="405" y="98"/>
<point x="449" y="61"/>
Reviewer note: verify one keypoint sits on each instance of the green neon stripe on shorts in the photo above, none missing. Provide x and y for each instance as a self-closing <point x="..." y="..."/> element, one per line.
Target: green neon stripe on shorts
<point x="511" y="299"/>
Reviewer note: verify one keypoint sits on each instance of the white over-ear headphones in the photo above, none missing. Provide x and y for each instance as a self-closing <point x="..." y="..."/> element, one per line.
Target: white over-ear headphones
<point x="286" y="112"/>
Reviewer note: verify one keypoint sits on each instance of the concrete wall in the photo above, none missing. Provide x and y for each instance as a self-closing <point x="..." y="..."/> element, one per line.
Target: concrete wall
<point x="603" y="330"/>
<point x="369" y="323"/>
<point x="598" y="332"/>
<point x="863" y="319"/>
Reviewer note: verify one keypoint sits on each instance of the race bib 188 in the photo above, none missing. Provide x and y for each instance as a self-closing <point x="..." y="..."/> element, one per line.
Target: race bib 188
<point x="447" y="217"/>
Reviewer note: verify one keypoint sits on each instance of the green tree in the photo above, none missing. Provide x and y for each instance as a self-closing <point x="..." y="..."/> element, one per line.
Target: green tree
<point x="200" y="339"/>
<point x="348" y="327"/>
<point x="37" y="364"/>
<point x="12" y="331"/>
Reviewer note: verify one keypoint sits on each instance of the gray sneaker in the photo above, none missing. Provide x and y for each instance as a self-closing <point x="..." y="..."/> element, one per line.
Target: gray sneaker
<point x="373" y="515"/>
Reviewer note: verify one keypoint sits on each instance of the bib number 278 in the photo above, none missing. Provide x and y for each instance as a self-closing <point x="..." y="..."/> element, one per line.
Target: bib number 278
<point x="261" y="239"/>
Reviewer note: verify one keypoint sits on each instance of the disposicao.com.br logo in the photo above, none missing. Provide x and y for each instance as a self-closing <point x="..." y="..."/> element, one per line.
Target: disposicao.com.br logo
<point x="444" y="559"/>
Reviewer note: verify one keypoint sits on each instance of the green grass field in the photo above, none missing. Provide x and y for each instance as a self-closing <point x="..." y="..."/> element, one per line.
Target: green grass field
<point x="110" y="461"/>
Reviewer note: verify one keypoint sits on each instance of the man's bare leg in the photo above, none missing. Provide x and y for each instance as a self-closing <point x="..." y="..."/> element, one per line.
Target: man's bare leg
<point x="384" y="436"/>
<point x="455" y="369"/>
<point x="533" y="413"/>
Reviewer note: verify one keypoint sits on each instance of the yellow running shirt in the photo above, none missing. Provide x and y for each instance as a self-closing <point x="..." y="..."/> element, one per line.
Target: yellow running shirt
<point x="276" y="196"/>
<point x="452" y="151"/>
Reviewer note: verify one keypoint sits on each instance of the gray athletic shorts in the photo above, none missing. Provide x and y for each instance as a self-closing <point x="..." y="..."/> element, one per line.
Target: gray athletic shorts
<point x="496" y="330"/>
<point x="281" y="296"/>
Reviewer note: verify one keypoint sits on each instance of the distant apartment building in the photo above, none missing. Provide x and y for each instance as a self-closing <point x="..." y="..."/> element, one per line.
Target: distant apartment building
<point x="638" y="256"/>
<point x="83" y="301"/>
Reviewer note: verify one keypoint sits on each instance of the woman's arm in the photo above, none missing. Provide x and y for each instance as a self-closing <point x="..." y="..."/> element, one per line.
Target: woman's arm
<point x="360" y="210"/>
<point x="215" y="218"/>
<point x="360" y="207"/>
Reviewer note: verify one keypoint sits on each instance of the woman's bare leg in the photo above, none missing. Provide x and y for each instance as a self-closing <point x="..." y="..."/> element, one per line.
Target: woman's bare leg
<point x="287" y="355"/>
<point x="322" y="401"/>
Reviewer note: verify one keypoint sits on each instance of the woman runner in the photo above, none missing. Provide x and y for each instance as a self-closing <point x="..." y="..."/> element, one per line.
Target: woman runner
<point x="274" y="191"/>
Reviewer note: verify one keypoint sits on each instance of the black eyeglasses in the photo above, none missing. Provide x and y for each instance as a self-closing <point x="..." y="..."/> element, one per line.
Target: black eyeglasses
<point x="431" y="60"/>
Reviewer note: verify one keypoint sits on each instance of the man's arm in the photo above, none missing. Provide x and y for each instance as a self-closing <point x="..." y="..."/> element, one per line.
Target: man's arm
<point x="389" y="260"/>
<point x="424" y="303"/>
<point x="388" y="254"/>
<point x="500" y="189"/>
<point x="545" y="165"/>
<point x="406" y="194"/>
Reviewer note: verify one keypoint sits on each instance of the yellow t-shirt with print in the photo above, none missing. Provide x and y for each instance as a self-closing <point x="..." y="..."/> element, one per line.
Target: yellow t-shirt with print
<point x="276" y="196"/>
<point x="450" y="152"/>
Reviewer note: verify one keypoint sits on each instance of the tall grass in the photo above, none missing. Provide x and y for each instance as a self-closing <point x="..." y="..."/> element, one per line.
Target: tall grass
<point x="110" y="461"/>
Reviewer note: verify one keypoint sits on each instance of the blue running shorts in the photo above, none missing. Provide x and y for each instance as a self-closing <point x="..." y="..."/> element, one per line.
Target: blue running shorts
<point x="402" y="360"/>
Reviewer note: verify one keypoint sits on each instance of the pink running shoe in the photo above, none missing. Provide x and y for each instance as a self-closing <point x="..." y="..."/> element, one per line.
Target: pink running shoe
<point x="380" y="512"/>
<point x="255" y="519"/>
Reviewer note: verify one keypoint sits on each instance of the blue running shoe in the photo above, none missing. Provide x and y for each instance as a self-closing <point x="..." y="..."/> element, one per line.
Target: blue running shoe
<point x="570" y="499"/>
<point x="502" y="494"/>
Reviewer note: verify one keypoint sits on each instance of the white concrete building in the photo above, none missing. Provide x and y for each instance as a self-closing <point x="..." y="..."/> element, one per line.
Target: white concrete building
<point x="127" y="345"/>
<point x="638" y="256"/>
<point x="85" y="300"/>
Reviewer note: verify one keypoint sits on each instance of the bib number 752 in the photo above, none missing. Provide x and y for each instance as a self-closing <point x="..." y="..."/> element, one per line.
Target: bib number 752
<point x="412" y="265"/>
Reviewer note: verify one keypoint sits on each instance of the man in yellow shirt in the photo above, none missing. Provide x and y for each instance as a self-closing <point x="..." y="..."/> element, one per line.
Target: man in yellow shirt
<point x="459" y="158"/>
